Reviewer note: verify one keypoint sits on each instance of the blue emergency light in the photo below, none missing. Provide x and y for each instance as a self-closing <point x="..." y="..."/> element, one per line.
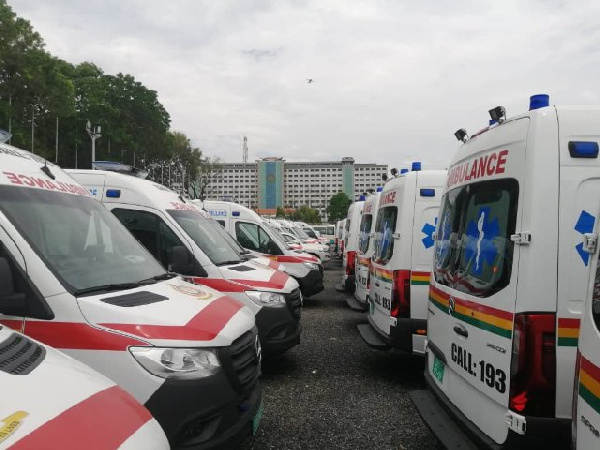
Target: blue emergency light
<point x="235" y="213"/>
<point x="583" y="149"/>
<point x="493" y="122"/>
<point x="416" y="166"/>
<point x="539" y="101"/>
<point x="379" y="188"/>
<point x="403" y="171"/>
<point x="361" y="198"/>
<point x="113" y="193"/>
<point x="427" y="192"/>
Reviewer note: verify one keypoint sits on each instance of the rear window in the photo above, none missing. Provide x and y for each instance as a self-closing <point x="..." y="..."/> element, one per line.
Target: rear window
<point x="365" y="229"/>
<point x="384" y="229"/>
<point x="473" y="250"/>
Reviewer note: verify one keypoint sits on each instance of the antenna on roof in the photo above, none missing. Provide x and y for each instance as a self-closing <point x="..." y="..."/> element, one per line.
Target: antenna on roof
<point x="47" y="171"/>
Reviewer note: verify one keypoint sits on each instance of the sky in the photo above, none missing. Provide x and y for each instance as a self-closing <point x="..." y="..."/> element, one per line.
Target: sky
<point x="393" y="79"/>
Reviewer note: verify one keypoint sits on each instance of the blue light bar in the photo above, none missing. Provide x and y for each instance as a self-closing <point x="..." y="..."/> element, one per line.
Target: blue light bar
<point x="379" y="188"/>
<point x="113" y="193"/>
<point x="583" y="149"/>
<point x="416" y="166"/>
<point x="403" y="171"/>
<point x="493" y="122"/>
<point x="362" y="198"/>
<point x="427" y="192"/>
<point x="539" y="101"/>
<point x="235" y="213"/>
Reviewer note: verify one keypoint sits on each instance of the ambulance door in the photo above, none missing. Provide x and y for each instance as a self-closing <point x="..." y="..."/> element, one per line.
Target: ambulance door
<point x="586" y="407"/>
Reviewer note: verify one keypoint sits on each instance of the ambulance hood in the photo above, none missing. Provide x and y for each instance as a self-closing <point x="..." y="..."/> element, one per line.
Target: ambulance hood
<point x="171" y="313"/>
<point x="261" y="278"/>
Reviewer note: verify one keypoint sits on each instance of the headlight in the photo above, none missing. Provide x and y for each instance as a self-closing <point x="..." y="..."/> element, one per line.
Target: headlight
<point x="311" y="266"/>
<point x="177" y="363"/>
<point x="267" y="298"/>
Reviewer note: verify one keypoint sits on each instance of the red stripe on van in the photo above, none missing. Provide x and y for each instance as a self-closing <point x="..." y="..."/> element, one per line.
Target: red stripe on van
<point x="277" y="281"/>
<point x="103" y="421"/>
<point x="219" y="284"/>
<point x="568" y="323"/>
<point x="204" y="326"/>
<point x="590" y="368"/>
<point x="475" y="306"/>
<point x="73" y="335"/>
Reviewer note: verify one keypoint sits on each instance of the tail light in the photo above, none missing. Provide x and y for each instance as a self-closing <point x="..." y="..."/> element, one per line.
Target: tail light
<point x="533" y="365"/>
<point x="350" y="263"/>
<point x="400" y="306"/>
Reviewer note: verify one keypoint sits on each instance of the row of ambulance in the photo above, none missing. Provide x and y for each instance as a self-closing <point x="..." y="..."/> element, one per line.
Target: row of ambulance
<point x="162" y="314"/>
<point x="490" y="271"/>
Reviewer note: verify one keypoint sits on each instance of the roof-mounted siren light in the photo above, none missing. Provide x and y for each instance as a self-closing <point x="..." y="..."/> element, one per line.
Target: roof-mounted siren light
<point x="403" y="171"/>
<point x="498" y="114"/>
<point x="379" y="188"/>
<point x="493" y="122"/>
<point x="416" y="166"/>
<point x="394" y="171"/>
<point x="461" y="135"/>
<point x="538" y="101"/>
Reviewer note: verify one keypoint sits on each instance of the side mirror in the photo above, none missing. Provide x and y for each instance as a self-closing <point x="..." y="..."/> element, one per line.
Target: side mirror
<point x="11" y="303"/>
<point x="273" y="248"/>
<point x="178" y="260"/>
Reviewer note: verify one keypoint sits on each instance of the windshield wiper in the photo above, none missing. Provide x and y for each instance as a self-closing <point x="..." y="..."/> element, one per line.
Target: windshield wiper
<point x="165" y="276"/>
<point x="113" y="287"/>
<point x="226" y="263"/>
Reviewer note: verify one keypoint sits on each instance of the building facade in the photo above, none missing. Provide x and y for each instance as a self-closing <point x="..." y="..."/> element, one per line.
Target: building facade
<point x="270" y="183"/>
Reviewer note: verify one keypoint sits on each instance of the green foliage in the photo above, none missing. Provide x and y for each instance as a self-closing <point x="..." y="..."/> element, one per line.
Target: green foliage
<point x="280" y="214"/>
<point x="338" y="207"/>
<point x="305" y="214"/>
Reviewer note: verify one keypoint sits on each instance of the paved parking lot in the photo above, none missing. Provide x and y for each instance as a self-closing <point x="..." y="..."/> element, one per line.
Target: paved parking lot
<point x="334" y="392"/>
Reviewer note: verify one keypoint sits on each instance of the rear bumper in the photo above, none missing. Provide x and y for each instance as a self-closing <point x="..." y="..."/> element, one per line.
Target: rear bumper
<point x="401" y="335"/>
<point x="452" y="427"/>
<point x="312" y="283"/>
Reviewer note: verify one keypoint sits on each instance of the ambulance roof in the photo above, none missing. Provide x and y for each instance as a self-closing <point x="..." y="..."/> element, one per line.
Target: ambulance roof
<point x="22" y="168"/>
<point x="423" y="178"/>
<point x="231" y="206"/>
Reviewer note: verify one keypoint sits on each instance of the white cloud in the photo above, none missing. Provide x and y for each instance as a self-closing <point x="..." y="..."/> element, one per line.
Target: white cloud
<point x="393" y="79"/>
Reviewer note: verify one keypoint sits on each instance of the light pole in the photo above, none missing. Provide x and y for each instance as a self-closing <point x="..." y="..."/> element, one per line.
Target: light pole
<point x="94" y="134"/>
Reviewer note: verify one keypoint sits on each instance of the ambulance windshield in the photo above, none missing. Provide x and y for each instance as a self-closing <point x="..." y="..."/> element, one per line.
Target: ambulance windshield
<point x="202" y="233"/>
<point x="79" y="240"/>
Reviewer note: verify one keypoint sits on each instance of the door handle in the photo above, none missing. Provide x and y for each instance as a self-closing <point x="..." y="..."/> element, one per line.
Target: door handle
<point x="461" y="330"/>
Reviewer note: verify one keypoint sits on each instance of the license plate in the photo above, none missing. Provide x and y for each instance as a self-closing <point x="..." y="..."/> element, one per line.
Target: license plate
<point x="438" y="369"/>
<point x="257" y="418"/>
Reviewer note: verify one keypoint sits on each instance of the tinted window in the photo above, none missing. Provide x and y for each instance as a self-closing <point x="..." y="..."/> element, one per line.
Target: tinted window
<point x="365" y="230"/>
<point x="253" y="237"/>
<point x="384" y="230"/>
<point x="473" y="250"/>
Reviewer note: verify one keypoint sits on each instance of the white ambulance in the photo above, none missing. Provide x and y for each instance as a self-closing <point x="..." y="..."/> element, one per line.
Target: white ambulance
<point x="52" y="401"/>
<point x="586" y="405"/>
<point x="298" y="240"/>
<point x="263" y="240"/>
<point x="164" y="222"/>
<point x="402" y="258"/>
<point x="516" y="230"/>
<point x="351" y="227"/>
<point x="339" y="237"/>
<point x="84" y="285"/>
<point x="365" y="248"/>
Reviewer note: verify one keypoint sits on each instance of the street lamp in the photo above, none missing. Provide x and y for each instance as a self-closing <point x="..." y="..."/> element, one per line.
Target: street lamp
<point x="94" y="133"/>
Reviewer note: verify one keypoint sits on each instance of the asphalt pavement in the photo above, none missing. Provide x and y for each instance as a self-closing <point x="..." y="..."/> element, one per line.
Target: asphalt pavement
<point x="334" y="392"/>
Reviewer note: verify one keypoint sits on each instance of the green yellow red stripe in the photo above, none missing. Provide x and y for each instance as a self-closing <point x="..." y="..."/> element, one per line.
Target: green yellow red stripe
<point x="382" y="274"/>
<point x="420" y="278"/>
<point x="589" y="383"/>
<point x="364" y="261"/>
<point x="481" y="316"/>
<point x="568" y="332"/>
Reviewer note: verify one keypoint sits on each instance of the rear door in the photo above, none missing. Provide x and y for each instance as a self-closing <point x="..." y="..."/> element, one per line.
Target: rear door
<point x="472" y="300"/>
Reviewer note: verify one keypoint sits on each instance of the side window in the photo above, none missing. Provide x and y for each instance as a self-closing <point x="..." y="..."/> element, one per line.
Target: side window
<point x="365" y="230"/>
<point x="384" y="230"/>
<point x="263" y="240"/>
<point x="346" y="232"/>
<point x="247" y="235"/>
<point x="474" y="252"/>
<point x="154" y="234"/>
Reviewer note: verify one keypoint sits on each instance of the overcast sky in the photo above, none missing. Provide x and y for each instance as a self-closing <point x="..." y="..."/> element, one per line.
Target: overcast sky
<point x="393" y="79"/>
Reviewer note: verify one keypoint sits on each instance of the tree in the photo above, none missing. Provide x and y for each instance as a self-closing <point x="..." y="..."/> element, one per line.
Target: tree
<point x="306" y="214"/>
<point x="280" y="214"/>
<point x="208" y="172"/>
<point x="338" y="207"/>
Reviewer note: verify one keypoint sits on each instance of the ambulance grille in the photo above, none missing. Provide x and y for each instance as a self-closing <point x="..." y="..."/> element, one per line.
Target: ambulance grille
<point x="20" y="355"/>
<point x="294" y="303"/>
<point x="242" y="361"/>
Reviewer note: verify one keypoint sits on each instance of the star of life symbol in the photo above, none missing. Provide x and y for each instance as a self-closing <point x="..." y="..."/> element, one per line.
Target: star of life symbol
<point x="428" y="230"/>
<point x="585" y="224"/>
<point x="480" y="228"/>
<point x="481" y="236"/>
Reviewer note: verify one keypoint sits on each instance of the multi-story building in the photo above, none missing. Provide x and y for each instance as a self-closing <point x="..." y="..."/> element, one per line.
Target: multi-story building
<point x="270" y="183"/>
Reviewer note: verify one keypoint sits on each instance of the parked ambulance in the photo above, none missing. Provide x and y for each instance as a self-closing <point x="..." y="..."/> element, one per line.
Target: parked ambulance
<point x="52" y="401"/>
<point x="516" y="232"/>
<point x="165" y="223"/>
<point x="351" y="227"/>
<point x="84" y="285"/>
<point x="298" y="240"/>
<point x="586" y="405"/>
<point x="365" y="247"/>
<point x="261" y="239"/>
<point x="312" y="234"/>
<point x="325" y="231"/>
<point x="402" y="258"/>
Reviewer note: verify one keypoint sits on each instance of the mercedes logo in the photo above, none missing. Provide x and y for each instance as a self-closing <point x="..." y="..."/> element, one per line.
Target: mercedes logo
<point x="258" y="348"/>
<point x="451" y="306"/>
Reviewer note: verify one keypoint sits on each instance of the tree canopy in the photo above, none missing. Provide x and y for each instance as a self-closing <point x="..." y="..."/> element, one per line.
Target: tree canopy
<point x="338" y="207"/>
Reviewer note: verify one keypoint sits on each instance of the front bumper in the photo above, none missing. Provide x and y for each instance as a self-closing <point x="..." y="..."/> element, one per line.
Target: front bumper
<point x="216" y="412"/>
<point x="312" y="283"/>
<point x="279" y="328"/>
<point x="452" y="427"/>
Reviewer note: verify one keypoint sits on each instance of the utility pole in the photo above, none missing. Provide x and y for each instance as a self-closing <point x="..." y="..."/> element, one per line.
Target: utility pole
<point x="245" y="150"/>
<point x="56" y="158"/>
<point x="32" y="128"/>
<point x="94" y="134"/>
